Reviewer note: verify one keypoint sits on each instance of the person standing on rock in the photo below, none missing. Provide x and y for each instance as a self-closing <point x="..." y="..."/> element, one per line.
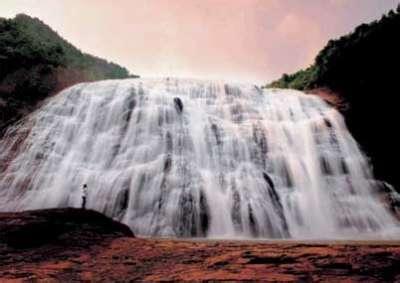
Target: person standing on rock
<point x="84" y="196"/>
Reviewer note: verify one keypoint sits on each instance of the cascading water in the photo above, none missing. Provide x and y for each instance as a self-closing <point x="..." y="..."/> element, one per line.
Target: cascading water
<point x="194" y="158"/>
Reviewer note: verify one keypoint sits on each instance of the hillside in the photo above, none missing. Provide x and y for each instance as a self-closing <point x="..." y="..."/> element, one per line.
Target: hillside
<point x="361" y="69"/>
<point x="36" y="62"/>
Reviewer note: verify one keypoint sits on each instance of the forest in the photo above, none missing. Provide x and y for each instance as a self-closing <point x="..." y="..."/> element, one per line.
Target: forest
<point x="36" y="62"/>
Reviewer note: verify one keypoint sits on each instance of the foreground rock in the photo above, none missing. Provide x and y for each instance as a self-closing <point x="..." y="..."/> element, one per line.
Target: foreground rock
<point x="68" y="227"/>
<point x="75" y="245"/>
<point x="36" y="238"/>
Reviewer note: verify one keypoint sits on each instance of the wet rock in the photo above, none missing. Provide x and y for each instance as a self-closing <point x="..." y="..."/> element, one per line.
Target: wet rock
<point x="278" y="259"/>
<point x="167" y="164"/>
<point x="268" y="179"/>
<point x="178" y="104"/>
<point x="135" y="259"/>
<point x="61" y="227"/>
<point x="204" y="215"/>
<point x="217" y="134"/>
<point x="122" y="201"/>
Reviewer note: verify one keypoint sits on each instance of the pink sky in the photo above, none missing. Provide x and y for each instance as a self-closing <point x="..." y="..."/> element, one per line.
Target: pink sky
<point x="240" y="40"/>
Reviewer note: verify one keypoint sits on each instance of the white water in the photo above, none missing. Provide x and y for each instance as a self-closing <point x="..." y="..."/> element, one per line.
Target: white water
<point x="235" y="162"/>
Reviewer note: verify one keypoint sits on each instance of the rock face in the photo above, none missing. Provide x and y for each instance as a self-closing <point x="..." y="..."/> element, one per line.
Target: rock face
<point x="46" y="234"/>
<point x="33" y="229"/>
<point x="371" y="121"/>
<point x="75" y="245"/>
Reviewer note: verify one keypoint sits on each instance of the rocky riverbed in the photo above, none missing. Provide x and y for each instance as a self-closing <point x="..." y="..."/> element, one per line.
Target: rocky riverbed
<point x="84" y="245"/>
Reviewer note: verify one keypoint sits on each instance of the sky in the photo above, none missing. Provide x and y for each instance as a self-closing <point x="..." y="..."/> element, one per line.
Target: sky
<point x="238" y="40"/>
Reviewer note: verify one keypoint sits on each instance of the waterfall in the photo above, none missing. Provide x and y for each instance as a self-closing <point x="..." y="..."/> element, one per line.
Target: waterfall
<point x="191" y="158"/>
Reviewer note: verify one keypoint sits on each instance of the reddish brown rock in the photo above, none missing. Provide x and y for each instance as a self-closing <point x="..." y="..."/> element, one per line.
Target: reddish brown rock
<point x="114" y="256"/>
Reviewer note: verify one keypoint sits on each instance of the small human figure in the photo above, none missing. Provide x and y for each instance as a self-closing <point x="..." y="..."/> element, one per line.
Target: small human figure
<point x="84" y="195"/>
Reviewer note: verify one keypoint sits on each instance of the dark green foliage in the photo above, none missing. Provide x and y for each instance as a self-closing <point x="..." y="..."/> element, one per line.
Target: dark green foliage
<point x="303" y="79"/>
<point x="36" y="62"/>
<point x="363" y="68"/>
<point x="26" y="41"/>
<point x="355" y="61"/>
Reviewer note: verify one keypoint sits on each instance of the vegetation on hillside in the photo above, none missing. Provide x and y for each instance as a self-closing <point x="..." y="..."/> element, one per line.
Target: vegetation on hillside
<point x="357" y="61"/>
<point x="362" y="68"/>
<point x="36" y="62"/>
